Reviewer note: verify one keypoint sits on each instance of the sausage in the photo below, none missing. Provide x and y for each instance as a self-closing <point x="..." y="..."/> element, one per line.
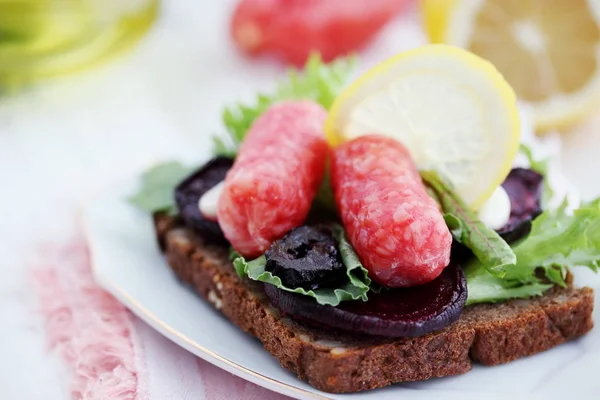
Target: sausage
<point x="275" y="177"/>
<point x="396" y="228"/>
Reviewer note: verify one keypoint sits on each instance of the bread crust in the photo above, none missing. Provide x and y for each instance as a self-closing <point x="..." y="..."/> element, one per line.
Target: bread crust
<point x="340" y="362"/>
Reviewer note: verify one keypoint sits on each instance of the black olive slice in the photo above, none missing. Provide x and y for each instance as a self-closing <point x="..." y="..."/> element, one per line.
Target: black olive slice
<point x="307" y="257"/>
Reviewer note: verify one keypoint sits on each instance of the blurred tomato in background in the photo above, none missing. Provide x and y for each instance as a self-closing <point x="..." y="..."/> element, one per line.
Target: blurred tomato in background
<point x="292" y="29"/>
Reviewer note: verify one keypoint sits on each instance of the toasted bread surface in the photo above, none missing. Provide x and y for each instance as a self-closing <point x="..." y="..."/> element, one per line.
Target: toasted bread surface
<point x="340" y="362"/>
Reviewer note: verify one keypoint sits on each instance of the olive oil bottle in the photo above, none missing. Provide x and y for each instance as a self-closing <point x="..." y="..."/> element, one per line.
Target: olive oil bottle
<point x="45" y="38"/>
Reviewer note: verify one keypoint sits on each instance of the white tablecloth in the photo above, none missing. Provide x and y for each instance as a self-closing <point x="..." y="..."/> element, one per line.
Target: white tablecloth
<point x="61" y="141"/>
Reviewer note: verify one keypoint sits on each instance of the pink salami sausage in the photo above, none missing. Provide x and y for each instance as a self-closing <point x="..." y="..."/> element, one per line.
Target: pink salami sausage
<point x="275" y="177"/>
<point x="396" y="229"/>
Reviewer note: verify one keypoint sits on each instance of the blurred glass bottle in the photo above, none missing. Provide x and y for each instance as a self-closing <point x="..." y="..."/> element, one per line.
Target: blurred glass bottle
<point x="44" y="38"/>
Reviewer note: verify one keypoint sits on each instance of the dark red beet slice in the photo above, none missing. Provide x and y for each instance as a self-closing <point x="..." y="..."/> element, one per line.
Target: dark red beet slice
<point x="307" y="257"/>
<point x="524" y="188"/>
<point x="189" y="191"/>
<point x="402" y="312"/>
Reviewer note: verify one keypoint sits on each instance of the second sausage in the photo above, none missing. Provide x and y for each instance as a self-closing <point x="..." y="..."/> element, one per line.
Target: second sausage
<point x="395" y="227"/>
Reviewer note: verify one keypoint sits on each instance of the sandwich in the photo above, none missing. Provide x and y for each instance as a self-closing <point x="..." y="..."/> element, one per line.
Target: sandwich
<point x="377" y="233"/>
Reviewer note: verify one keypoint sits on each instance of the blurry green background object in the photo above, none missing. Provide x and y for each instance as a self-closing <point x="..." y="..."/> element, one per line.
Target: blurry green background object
<point x="45" y="38"/>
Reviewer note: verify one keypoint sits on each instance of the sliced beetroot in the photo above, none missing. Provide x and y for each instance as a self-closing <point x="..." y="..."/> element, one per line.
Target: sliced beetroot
<point x="524" y="188"/>
<point x="189" y="191"/>
<point x="401" y="312"/>
<point x="307" y="257"/>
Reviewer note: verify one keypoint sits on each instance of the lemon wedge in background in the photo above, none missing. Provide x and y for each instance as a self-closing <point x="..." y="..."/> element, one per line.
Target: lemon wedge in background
<point x="548" y="50"/>
<point x="451" y="109"/>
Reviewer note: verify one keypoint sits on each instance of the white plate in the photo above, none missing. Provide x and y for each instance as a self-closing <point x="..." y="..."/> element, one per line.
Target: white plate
<point x="128" y="264"/>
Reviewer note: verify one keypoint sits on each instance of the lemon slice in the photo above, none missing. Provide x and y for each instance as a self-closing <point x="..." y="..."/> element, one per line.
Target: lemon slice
<point x="451" y="109"/>
<point x="548" y="50"/>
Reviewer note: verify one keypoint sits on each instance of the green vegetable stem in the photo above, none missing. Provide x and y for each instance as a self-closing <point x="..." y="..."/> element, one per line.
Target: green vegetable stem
<point x="487" y="246"/>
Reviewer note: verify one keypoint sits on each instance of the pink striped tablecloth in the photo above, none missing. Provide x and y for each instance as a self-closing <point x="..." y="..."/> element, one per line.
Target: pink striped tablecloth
<point x="109" y="352"/>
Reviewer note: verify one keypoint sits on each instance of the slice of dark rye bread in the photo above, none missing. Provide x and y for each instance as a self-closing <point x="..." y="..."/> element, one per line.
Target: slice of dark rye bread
<point x="339" y="362"/>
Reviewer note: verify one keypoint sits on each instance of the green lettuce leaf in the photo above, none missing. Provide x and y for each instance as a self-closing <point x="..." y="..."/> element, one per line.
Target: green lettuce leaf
<point x="356" y="288"/>
<point x="487" y="246"/>
<point x="558" y="240"/>
<point x="541" y="167"/>
<point x="318" y="81"/>
<point x="483" y="287"/>
<point x="158" y="184"/>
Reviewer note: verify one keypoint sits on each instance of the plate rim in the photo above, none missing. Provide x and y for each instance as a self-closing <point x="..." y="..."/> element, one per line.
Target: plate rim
<point x="170" y="332"/>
